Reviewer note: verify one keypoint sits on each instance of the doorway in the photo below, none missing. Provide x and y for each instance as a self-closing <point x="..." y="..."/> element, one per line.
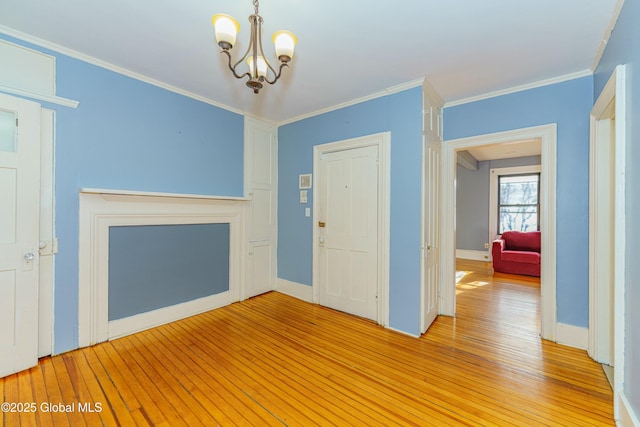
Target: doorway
<point x="547" y="136"/>
<point x="351" y="226"/>
<point x="607" y="230"/>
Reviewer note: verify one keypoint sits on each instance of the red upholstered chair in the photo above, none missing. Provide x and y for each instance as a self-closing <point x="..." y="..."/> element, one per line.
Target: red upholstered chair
<point x="517" y="252"/>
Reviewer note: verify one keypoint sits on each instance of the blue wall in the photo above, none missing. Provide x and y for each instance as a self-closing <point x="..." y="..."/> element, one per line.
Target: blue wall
<point x="568" y="104"/>
<point x="624" y="48"/>
<point x="155" y="266"/>
<point x="401" y="114"/>
<point x="129" y="135"/>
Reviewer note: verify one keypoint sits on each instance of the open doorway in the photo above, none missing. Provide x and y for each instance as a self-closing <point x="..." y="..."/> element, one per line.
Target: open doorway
<point x="498" y="200"/>
<point x="546" y="135"/>
<point x="607" y="232"/>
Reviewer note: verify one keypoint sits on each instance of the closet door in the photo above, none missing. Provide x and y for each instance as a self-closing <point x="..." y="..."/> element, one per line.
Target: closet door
<point x="261" y="152"/>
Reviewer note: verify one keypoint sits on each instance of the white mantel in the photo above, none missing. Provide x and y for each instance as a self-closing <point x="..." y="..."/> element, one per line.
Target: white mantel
<point x="104" y="208"/>
<point x="156" y="194"/>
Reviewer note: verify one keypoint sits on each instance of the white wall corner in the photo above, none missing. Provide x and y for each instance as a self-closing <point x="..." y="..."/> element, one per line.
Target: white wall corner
<point x="572" y="336"/>
<point x="474" y="255"/>
<point x="628" y="417"/>
<point x="296" y="290"/>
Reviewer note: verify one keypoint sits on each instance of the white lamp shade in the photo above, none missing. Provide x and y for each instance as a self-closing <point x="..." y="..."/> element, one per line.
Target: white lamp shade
<point x="262" y="67"/>
<point x="226" y="28"/>
<point x="285" y="42"/>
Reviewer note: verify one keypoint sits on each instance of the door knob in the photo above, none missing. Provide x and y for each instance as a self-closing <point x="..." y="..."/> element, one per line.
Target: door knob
<point x="29" y="256"/>
<point x="429" y="247"/>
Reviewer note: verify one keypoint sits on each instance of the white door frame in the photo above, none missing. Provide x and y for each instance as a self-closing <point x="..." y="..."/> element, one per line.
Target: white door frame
<point x="383" y="142"/>
<point x="48" y="243"/>
<point x="613" y="94"/>
<point x="547" y="136"/>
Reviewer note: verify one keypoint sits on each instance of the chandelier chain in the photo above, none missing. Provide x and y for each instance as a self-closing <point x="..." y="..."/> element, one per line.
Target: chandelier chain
<point x="255" y="5"/>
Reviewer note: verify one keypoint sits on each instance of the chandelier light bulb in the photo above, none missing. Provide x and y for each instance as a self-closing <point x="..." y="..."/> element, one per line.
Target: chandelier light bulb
<point x="284" y="41"/>
<point x="262" y="67"/>
<point x="226" y="28"/>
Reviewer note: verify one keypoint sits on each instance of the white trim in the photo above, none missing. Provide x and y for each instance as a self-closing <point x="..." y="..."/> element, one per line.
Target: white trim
<point x="47" y="233"/>
<point x="572" y="336"/>
<point x="151" y="319"/>
<point x="98" y="212"/>
<point x="494" y="173"/>
<point x="628" y="417"/>
<point x="294" y="289"/>
<point x="383" y="142"/>
<point x="385" y="92"/>
<point x="41" y="97"/>
<point x="520" y="88"/>
<point x="405" y="333"/>
<point x="547" y="135"/>
<point x="614" y="91"/>
<point x="111" y="67"/>
<point x="154" y="194"/>
<point x="607" y="35"/>
<point x="474" y="255"/>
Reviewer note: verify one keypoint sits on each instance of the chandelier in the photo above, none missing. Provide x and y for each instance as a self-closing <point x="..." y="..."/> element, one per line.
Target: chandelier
<point x="260" y="70"/>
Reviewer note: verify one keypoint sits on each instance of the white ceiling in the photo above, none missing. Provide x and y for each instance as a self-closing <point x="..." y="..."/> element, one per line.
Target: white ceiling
<point x="347" y="50"/>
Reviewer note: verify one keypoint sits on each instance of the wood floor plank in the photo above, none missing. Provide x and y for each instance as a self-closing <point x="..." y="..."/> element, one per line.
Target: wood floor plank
<point x="67" y="390"/>
<point x="112" y="399"/>
<point x="53" y="391"/>
<point x="202" y="385"/>
<point x="133" y="390"/>
<point x="163" y="397"/>
<point x="27" y="417"/>
<point x="40" y="395"/>
<point x="273" y="360"/>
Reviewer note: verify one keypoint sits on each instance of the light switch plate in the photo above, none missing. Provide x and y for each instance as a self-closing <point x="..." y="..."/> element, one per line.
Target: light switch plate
<point x="307" y="212"/>
<point x="303" y="196"/>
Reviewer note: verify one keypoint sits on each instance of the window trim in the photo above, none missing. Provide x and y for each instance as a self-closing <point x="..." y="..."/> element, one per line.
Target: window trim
<point x="500" y="205"/>
<point x="493" y="193"/>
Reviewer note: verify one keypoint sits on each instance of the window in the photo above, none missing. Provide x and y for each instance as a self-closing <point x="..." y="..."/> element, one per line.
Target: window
<point x="519" y="202"/>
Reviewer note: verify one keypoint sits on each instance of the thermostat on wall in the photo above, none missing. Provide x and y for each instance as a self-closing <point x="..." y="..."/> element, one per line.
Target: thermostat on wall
<point x="305" y="181"/>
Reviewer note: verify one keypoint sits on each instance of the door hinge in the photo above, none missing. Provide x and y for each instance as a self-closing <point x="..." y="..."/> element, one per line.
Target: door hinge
<point x="16" y="122"/>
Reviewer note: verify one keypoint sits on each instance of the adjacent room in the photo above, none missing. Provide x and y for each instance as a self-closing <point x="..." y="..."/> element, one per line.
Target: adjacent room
<point x="231" y="213"/>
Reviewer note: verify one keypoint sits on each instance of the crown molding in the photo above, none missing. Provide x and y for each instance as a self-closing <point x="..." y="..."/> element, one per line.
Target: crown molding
<point x="385" y="92"/>
<point x="111" y="67"/>
<point x="607" y="35"/>
<point x="514" y="89"/>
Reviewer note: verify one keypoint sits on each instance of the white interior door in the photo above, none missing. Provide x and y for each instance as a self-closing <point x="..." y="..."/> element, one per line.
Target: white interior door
<point x="261" y="166"/>
<point x="431" y="249"/>
<point x="19" y="233"/>
<point x="432" y="131"/>
<point x="348" y="231"/>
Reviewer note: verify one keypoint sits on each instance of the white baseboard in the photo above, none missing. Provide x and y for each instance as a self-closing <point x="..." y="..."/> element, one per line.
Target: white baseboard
<point x="628" y="417"/>
<point x="402" y="332"/>
<point x="475" y="255"/>
<point x="140" y="322"/>
<point x="296" y="290"/>
<point x="573" y="336"/>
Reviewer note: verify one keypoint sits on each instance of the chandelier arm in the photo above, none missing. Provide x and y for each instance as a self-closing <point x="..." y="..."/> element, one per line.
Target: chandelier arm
<point x="233" y="68"/>
<point x="277" y="76"/>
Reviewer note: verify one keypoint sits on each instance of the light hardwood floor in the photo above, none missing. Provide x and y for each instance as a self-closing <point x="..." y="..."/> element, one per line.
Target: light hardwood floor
<point x="274" y="360"/>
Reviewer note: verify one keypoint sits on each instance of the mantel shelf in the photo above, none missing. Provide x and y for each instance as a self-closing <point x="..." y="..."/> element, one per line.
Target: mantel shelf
<point x="154" y="194"/>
